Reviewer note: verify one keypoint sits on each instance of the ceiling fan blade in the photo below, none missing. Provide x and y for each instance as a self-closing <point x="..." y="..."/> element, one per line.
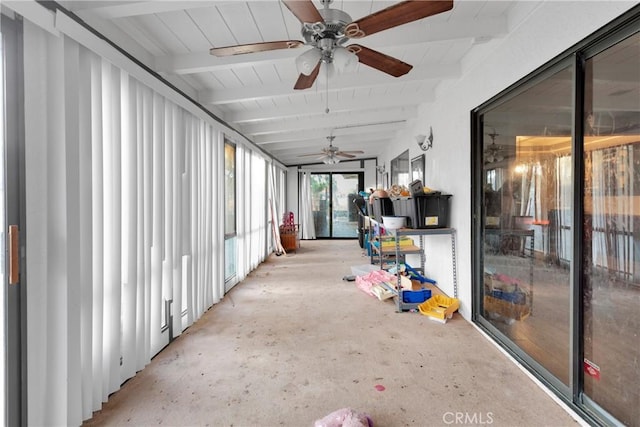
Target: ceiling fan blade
<point x="304" y="10"/>
<point x="350" y="152"/>
<point x="310" y="155"/>
<point x="380" y="61"/>
<point x="305" y="82"/>
<point x="343" y="154"/>
<point x="254" y="47"/>
<point x="393" y="16"/>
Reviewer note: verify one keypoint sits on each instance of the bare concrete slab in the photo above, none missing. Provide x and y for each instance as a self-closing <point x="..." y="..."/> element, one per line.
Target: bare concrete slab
<point x="294" y="342"/>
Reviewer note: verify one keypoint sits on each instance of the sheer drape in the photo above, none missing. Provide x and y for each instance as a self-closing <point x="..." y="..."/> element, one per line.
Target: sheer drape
<point x="124" y="220"/>
<point x="306" y="209"/>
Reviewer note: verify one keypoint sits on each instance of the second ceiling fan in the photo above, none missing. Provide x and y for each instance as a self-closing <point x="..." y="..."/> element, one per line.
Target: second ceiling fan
<point x="332" y="155"/>
<point x="327" y="30"/>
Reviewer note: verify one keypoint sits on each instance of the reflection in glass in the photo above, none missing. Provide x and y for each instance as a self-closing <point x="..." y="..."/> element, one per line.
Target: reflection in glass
<point x="526" y="221"/>
<point x="611" y="230"/>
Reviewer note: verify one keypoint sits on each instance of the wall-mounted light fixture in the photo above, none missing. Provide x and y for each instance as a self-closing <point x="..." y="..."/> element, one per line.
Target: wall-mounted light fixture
<point x="425" y="142"/>
<point x="381" y="169"/>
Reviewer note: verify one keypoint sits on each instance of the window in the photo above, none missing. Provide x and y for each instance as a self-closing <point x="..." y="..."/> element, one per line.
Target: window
<point x="527" y="216"/>
<point x="229" y="211"/>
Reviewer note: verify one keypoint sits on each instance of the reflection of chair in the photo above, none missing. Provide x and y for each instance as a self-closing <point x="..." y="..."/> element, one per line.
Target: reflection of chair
<point x="289" y="233"/>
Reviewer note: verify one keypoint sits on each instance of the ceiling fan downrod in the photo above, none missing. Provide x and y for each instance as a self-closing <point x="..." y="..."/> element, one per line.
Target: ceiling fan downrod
<point x="326" y="111"/>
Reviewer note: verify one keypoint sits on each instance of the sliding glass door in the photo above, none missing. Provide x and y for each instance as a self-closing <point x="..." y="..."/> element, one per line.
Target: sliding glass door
<point x="557" y="238"/>
<point x="12" y="387"/>
<point x="332" y="195"/>
<point x="611" y="230"/>
<point x="527" y="221"/>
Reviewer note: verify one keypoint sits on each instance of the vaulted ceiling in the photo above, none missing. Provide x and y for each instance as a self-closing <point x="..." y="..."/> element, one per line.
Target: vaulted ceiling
<point x="254" y="93"/>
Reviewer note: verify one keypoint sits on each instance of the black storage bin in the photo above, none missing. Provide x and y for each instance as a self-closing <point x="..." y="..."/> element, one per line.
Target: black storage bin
<point x="433" y="210"/>
<point x="407" y="207"/>
<point x="382" y="206"/>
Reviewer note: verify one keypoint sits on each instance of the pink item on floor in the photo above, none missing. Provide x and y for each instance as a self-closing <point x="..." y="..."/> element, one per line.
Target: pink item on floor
<point x="366" y="282"/>
<point x="345" y="417"/>
<point x="507" y="279"/>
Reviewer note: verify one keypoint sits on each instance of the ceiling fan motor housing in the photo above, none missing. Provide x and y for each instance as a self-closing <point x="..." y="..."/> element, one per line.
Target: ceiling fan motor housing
<point x="332" y="28"/>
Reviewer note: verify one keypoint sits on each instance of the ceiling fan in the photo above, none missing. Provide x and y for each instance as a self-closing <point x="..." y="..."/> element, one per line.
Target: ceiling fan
<point x="327" y="30"/>
<point x="493" y="153"/>
<point x="331" y="155"/>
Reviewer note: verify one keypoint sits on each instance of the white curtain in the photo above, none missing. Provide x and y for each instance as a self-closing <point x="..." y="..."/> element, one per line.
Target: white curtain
<point x="564" y="192"/>
<point x="252" y="215"/>
<point x="306" y="209"/>
<point x="124" y="202"/>
<point x="275" y="210"/>
<point x="612" y="209"/>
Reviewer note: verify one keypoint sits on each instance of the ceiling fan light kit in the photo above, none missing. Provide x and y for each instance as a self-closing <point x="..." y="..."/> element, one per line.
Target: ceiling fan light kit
<point x="331" y="155"/>
<point x="307" y="62"/>
<point x="331" y="160"/>
<point x="327" y="30"/>
<point x="344" y="60"/>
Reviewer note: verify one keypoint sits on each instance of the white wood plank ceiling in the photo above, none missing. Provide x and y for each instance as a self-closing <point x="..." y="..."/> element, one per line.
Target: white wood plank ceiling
<point x="254" y="92"/>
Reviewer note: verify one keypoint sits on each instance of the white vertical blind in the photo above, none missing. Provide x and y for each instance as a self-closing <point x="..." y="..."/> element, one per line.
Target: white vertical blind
<point x="252" y="211"/>
<point x="124" y="212"/>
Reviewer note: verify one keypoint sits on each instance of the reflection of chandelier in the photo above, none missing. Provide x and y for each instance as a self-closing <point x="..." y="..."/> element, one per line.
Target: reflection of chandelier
<point x="493" y="153"/>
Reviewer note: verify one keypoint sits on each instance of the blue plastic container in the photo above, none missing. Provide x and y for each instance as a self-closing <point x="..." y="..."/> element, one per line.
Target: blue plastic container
<point x="416" y="296"/>
<point x="516" y="297"/>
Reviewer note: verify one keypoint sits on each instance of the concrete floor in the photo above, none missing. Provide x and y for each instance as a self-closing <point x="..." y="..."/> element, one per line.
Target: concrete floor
<point x="294" y="342"/>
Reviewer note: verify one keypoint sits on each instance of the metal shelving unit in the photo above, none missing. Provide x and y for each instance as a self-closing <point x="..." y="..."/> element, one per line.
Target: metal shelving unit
<point x="400" y="251"/>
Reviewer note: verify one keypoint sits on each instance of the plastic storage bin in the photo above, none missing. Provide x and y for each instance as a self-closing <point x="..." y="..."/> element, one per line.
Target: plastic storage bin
<point x="363" y="270"/>
<point x="416" y="296"/>
<point x="407" y="207"/>
<point x="382" y="206"/>
<point x="433" y="210"/>
<point x="439" y="307"/>
<point x="393" y="222"/>
<point x="516" y="297"/>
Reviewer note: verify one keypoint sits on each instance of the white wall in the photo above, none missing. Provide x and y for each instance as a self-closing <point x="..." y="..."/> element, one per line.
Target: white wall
<point x="549" y="28"/>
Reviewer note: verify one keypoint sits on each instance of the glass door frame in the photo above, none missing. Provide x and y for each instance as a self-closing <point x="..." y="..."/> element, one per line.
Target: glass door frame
<point x="330" y="213"/>
<point x="14" y="310"/>
<point x="478" y="235"/>
<point x="578" y="391"/>
<point x="573" y="396"/>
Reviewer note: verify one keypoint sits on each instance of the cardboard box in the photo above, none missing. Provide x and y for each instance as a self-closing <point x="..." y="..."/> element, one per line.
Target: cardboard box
<point x="506" y="308"/>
